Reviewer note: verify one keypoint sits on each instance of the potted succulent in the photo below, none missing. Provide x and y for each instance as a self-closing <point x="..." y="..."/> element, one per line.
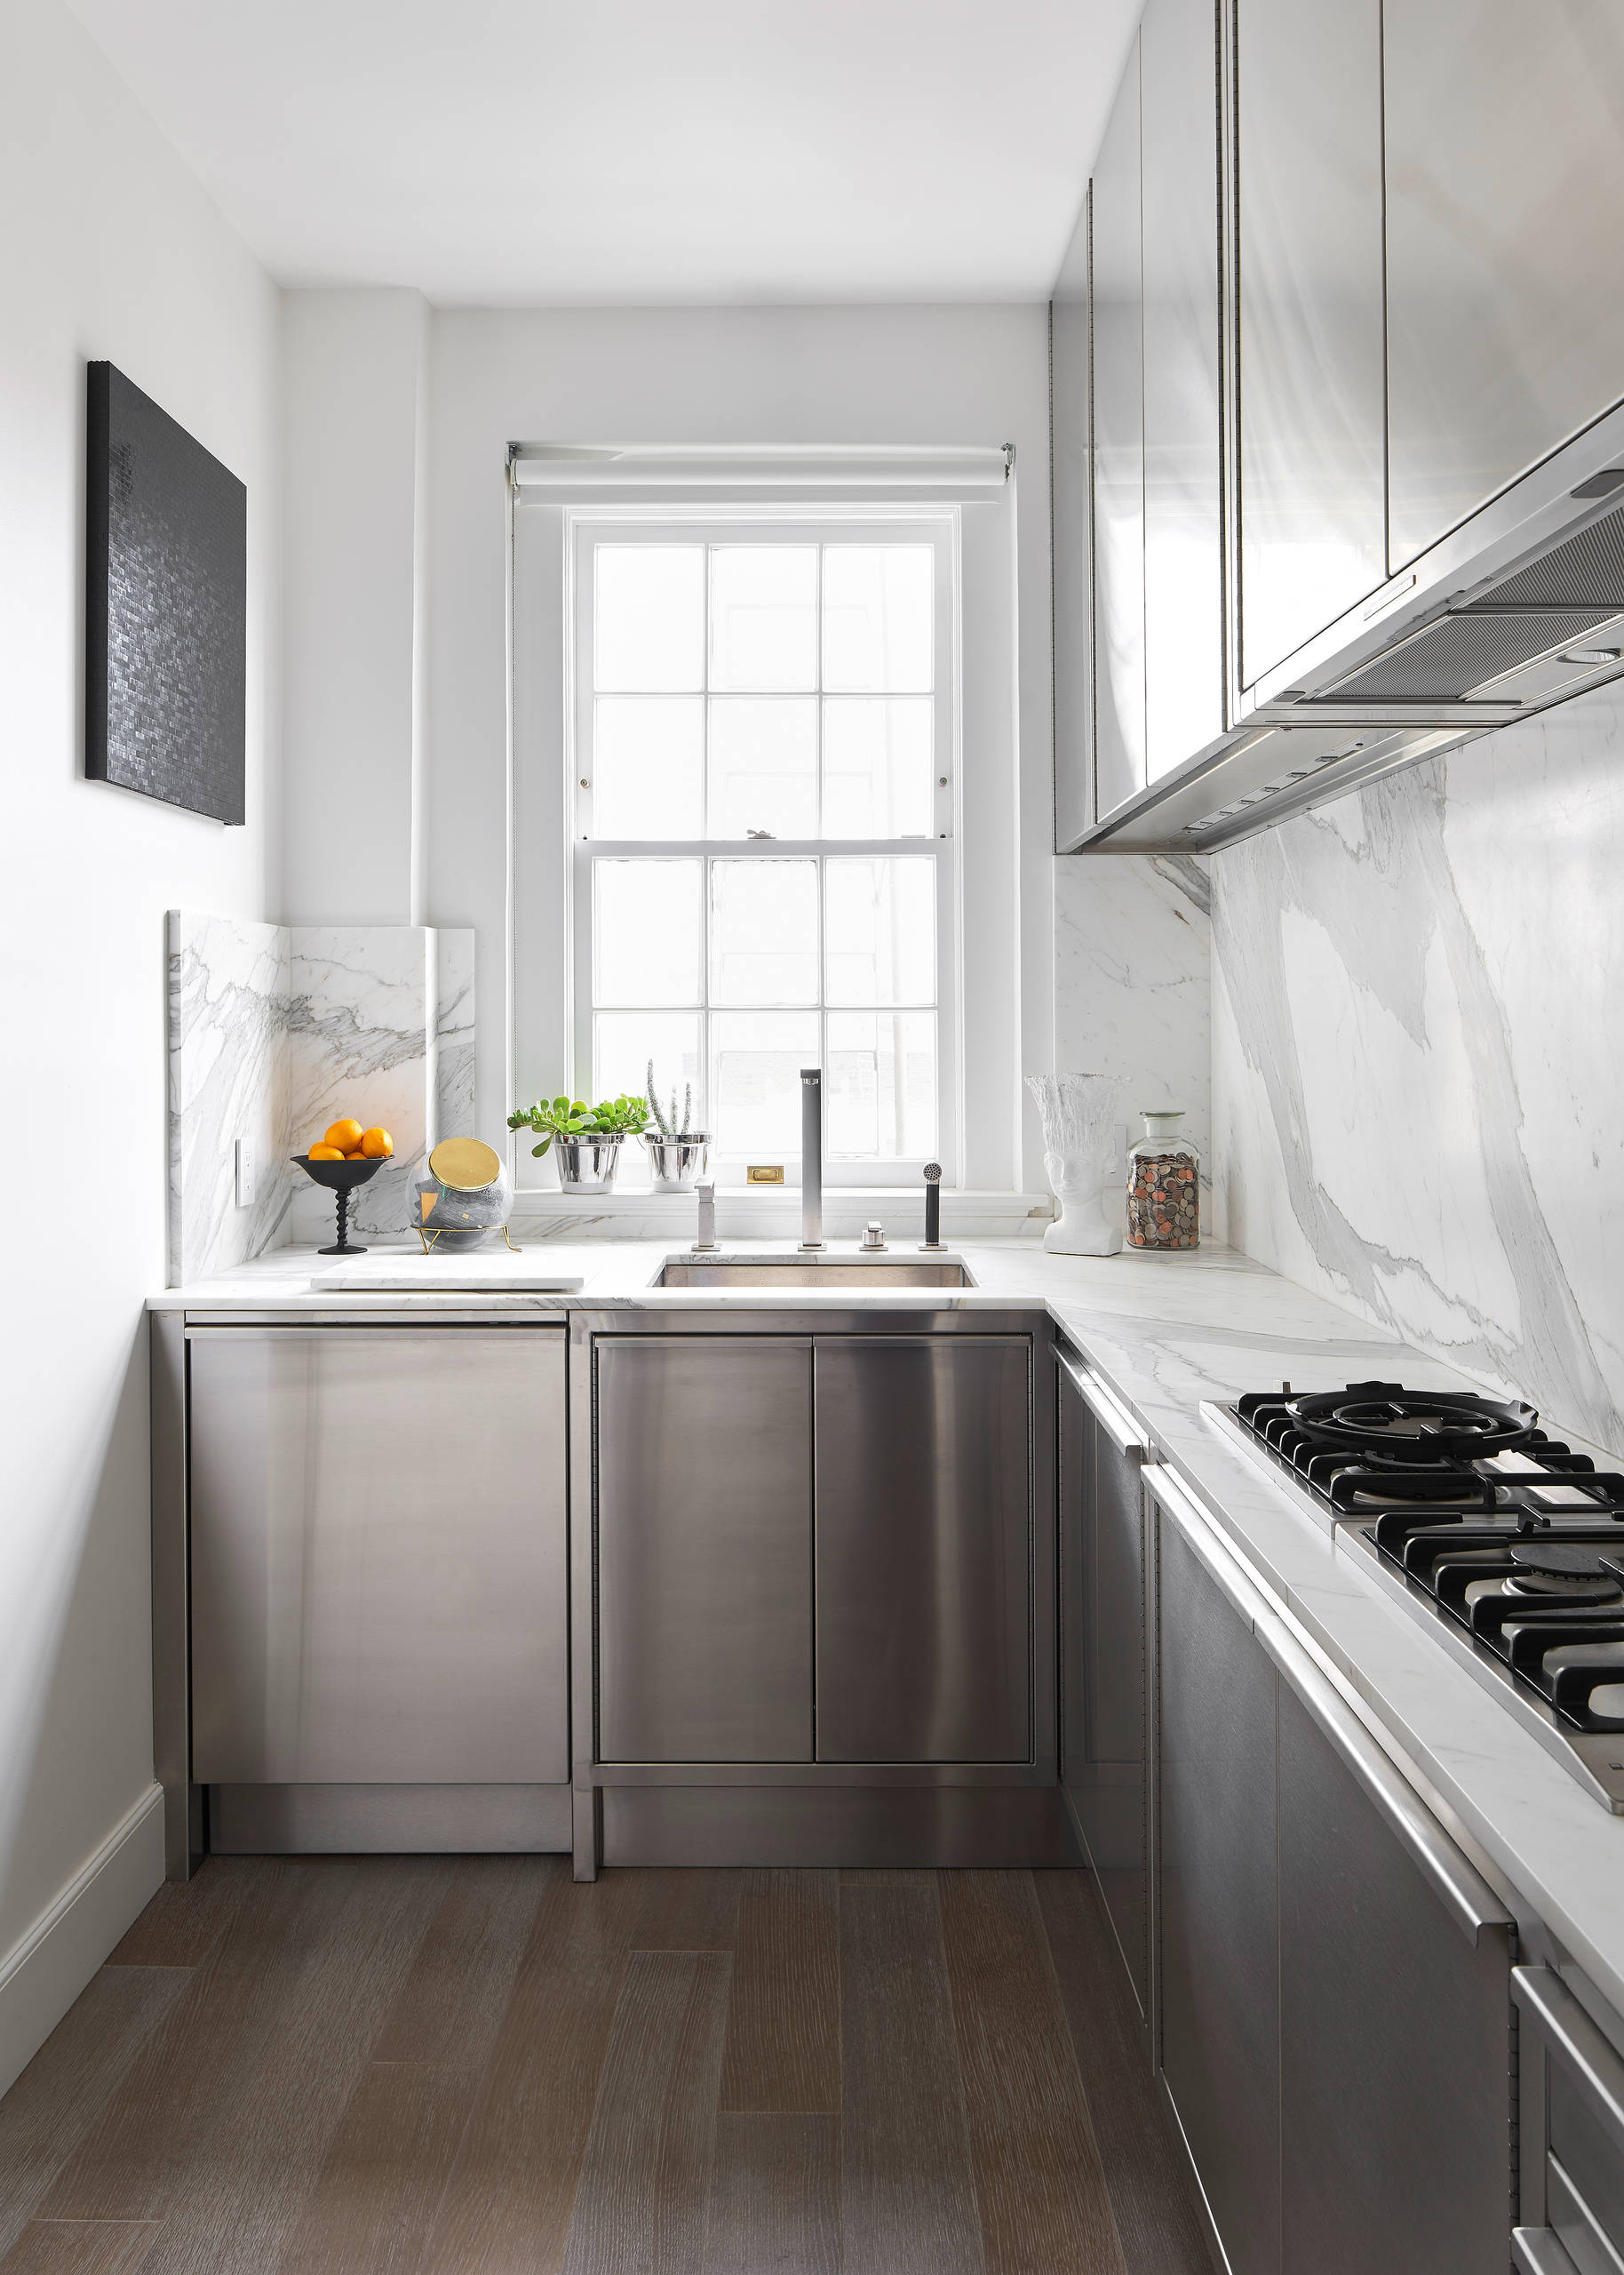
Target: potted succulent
<point x="677" y="1152"/>
<point x="589" y="1137"/>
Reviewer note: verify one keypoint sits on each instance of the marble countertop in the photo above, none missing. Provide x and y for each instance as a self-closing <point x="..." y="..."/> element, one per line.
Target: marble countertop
<point x="1167" y="1332"/>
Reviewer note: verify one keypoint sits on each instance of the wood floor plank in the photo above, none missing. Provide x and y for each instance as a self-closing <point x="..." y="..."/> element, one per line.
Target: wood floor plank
<point x="80" y="2247"/>
<point x="907" y="2201"/>
<point x="451" y="2006"/>
<point x="645" y="2183"/>
<point x="1044" y="2202"/>
<point x="783" y="2052"/>
<point x="386" y="2172"/>
<point x="508" y="2203"/>
<point x="775" y="2196"/>
<point x="1155" y="2219"/>
<point x="54" y="2101"/>
<point x="685" y="1911"/>
<point x="185" y="1919"/>
<point x="220" y="2126"/>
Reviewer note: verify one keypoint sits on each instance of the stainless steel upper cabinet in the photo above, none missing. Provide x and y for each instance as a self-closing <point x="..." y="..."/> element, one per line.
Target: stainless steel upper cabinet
<point x="1068" y="508"/>
<point x="1505" y="261"/>
<point x="1313" y="538"/>
<point x="924" y="1548"/>
<point x="1118" y="456"/>
<point x="1184" y="518"/>
<point x="704" y="1545"/>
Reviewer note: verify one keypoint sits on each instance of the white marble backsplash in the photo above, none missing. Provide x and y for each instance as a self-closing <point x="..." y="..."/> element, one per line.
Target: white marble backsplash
<point x="1416" y="1101"/>
<point x="1131" y="984"/>
<point x="228" y="1079"/>
<point x="274" y="1031"/>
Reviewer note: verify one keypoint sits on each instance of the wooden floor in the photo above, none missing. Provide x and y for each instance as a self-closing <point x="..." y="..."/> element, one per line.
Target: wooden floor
<point x="451" y="2064"/>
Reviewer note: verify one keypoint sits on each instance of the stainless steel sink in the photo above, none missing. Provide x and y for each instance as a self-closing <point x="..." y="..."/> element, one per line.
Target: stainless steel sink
<point x="849" y="1271"/>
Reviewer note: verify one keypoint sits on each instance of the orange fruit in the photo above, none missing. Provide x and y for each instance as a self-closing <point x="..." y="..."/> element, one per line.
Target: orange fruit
<point x="377" y="1145"/>
<point x="345" y="1135"/>
<point x="324" y="1153"/>
<point x="357" y="1156"/>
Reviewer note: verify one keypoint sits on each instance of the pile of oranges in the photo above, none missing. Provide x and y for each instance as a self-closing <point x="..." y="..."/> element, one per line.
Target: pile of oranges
<point x="347" y="1141"/>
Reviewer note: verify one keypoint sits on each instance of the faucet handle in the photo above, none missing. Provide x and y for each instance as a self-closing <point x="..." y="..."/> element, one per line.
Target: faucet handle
<point x="705" y="1241"/>
<point x="874" y="1239"/>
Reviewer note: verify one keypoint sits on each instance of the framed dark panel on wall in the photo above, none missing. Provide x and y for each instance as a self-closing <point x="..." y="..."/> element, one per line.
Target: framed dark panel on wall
<point x="165" y="607"/>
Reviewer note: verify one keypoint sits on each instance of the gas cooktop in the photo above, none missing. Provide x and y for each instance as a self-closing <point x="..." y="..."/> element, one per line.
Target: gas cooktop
<point x="1504" y="1543"/>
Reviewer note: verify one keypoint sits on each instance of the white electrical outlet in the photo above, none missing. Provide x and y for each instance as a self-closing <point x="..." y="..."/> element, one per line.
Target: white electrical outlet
<point x="245" y="1172"/>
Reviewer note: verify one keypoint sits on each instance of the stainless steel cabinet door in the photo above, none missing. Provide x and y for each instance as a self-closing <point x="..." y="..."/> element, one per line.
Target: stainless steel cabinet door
<point x="1395" y="2040"/>
<point x="924" y="1549"/>
<point x="378" y="1556"/>
<point x="1219" y="1947"/>
<point x="1118" y="301"/>
<point x="1104" y="1670"/>
<point x="1505" y="266"/>
<point x="1313" y="536"/>
<point x="703" y="1524"/>
<point x="1183" y="525"/>
<point x="1068" y="374"/>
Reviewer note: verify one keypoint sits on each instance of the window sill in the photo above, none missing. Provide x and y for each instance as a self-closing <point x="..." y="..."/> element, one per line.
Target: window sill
<point x="757" y="1212"/>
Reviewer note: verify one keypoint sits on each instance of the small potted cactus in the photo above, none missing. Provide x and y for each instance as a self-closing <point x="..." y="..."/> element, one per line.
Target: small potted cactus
<point x="677" y="1152"/>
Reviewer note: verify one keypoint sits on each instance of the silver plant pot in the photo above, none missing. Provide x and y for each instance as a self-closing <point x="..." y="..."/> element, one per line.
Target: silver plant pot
<point x="678" y="1163"/>
<point x="588" y="1164"/>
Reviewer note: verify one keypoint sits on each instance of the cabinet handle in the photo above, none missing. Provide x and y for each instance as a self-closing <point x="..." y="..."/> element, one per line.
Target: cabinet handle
<point x="1118" y="1423"/>
<point x="1466" y="1896"/>
<point x="1538" y="2251"/>
<point x="1542" y="1992"/>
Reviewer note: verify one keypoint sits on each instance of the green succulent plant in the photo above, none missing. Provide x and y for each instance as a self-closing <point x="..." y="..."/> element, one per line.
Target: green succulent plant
<point x="564" y="1117"/>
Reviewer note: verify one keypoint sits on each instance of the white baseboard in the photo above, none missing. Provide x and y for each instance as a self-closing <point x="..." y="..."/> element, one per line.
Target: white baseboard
<point x="46" y="1969"/>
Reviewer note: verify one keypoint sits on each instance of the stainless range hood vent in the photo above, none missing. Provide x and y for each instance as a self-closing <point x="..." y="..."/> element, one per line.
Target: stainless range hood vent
<point x="1444" y="662"/>
<point x="1453" y="664"/>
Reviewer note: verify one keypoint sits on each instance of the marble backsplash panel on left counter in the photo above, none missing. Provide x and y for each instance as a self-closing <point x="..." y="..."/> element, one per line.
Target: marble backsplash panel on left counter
<point x="274" y="1031"/>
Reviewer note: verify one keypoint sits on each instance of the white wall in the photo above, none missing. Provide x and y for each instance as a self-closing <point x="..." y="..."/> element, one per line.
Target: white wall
<point x="109" y="249"/>
<point x="352" y="403"/>
<point x="895" y="375"/>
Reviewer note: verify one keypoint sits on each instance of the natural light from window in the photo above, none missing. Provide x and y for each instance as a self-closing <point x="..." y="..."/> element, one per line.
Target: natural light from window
<point x="760" y="813"/>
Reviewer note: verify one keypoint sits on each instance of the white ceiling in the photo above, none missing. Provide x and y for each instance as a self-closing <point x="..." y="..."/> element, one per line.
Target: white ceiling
<point x="636" y="151"/>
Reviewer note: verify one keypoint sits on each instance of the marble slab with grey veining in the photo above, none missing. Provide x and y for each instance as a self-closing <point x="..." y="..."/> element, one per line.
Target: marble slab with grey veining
<point x="228" y="1080"/>
<point x="1416" y="1096"/>
<point x="274" y="1032"/>
<point x="1132" y="986"/>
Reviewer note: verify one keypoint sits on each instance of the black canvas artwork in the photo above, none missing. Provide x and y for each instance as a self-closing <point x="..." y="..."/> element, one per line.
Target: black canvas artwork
<point x="166" y="607"/>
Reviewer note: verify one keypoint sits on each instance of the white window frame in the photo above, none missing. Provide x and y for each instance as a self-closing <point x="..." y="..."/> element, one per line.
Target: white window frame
<point x="939" y="527"/>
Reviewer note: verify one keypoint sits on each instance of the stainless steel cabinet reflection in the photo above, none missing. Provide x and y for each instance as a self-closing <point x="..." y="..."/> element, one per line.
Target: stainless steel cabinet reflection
<point x="704" y="1548"/>
<point x="378" y="1556"/>
<point x="924" y="1549"/>
<point x="1311" y="379"/>
<point x="1118" y="456"/>
<point x="1505" y="266"/>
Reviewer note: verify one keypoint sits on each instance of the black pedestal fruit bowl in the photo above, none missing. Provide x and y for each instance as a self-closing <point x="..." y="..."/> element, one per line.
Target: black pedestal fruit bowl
<point x="341" y="1179"/>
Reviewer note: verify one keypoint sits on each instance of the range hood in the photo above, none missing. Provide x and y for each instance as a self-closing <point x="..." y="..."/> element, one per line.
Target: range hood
<point x="1449" y="652"/>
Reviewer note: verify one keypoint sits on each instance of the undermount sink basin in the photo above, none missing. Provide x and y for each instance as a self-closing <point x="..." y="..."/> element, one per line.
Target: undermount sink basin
<point x="848" y="1271"/>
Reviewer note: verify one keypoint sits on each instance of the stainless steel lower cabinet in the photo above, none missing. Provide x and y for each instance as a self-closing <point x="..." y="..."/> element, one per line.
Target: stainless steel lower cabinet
<point x="1395" y="2022"/>
<point x="1219" y="1947"/>
<point x="378" y="1543"/>
<point x="1334" y="1974"/>
<point x="704" y="1548"/>
<point x="1104" y="1654"/>
<point x="924" y="1549"/>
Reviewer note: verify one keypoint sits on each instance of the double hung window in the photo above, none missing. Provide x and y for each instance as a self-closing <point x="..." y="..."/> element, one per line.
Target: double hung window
<point x="763" y="756"/>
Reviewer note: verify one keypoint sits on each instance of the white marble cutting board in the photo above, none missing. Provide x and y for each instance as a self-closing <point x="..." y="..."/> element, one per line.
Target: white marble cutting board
<point x="390" y="1271"/>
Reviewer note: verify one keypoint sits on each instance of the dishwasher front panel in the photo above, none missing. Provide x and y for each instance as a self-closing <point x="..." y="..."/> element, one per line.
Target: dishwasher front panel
<point x="378" y="1556"/>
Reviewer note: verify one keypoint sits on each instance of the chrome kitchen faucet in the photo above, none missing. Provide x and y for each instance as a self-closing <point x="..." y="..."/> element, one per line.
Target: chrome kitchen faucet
<point x="811" y="1159"/>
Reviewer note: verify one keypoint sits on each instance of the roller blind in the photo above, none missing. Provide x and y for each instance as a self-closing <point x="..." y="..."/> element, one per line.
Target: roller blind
<point x="585" y="472"/>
